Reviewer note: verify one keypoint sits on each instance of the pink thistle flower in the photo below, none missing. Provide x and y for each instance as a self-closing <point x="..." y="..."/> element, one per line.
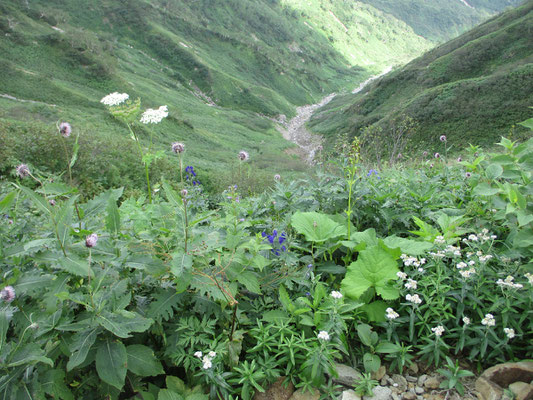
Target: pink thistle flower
<point x="178" y="147"/>
<point x="443" y="138"/>
<point x="7" y="294"/>
<point x="23" y="171"/>
<point x="243" y="155"/>
<point x="91" y="240"/>
<point x="65" y="129"/>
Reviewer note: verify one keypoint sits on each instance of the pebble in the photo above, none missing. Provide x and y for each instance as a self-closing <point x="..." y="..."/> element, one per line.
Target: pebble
<point x="421" y="379"/>
<point x="411" y="378"/>
<point x="432" y="383"/>
<point x="419" y="390"/>
<point x="409" y="396"/>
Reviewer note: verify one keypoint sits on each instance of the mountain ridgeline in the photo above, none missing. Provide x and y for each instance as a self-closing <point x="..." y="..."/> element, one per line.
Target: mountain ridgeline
<point x="473" y="88"/>
<point x="225" y="68"/>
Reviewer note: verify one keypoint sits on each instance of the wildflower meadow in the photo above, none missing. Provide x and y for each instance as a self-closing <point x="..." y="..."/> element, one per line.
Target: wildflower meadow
<point x="180" y="293"/>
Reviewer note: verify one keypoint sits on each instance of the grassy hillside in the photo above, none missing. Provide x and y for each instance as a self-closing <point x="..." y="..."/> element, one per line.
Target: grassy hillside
<point x="473" y="88"/>
<point x="224" y="68"/>
<point x="439" y="20"/>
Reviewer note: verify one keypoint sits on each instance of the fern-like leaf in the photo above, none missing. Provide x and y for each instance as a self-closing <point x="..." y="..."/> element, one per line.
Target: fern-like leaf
<point x="164" y="304"/>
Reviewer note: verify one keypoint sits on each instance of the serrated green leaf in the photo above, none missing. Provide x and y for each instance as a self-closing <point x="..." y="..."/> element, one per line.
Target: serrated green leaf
<point x="142" y="361"/>
<point x="113" y="216"/>
<point x="494" y="171"/>
<point x="285" y="299"/>
<point x="374" y="268"/>
<point x="249" y="280"/>
<point x="64" y="220"/>
<point x="39" y="201"/>
<point x="30" y="353"/>
<point x="407" y="246"/>
<point x="111" y="361"/>
<point x="75" y="265"/>
<point x="165" y="394"/>
<point x="53" y="384"/>
<point x="7" y="201"/>
<point x="122" y="325"/>
<point x="82" y="343"/>
<point x="317" y="227"/>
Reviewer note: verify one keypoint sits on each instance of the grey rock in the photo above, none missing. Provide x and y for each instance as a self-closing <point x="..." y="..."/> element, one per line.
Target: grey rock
<point x="380" y="393"/>
<point x="492" y="381"/>
<point x="350" y="395"/>
<point x="413" y="368"/>
<point x="488" y="390"/>
<point x="432" y="383"/>
<point x="395" y="396"/>
<point x="421" y="379"/>
<point x="347" y="375"/>
<point x="410" y="378"/>
<point x="380" y="373"/>
<point x="409" y="396"/>
<point x="522" y="390"/>
<point x="314" y="394"/>
<point x="400" y="381"/>
<point x="419" y="390"/>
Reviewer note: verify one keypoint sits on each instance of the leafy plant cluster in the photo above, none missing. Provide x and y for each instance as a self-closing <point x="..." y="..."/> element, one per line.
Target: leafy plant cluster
<point x="188" y="297"/>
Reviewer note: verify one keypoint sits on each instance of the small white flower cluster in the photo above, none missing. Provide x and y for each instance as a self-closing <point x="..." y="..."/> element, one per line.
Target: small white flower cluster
<point x="529" y="278"/>
<point x="485" y="258"/>
<point x="484" y="236"/>
<point x="439" y="240"/>
<point x="401" y="275"/>
<point x="488" y="320"/>
<point x="466" y="320"/>
<point x="509" y="332"/>
<point x="207" y="359"/>
<point x="438" y="330"/>
<point x="454" y="250"/>
<point x="414" y="298"/>
<point x="336" y="295"/>
<point x="461" y="265"/>
<point x="466" y="273"/>
<point x="114" y="99"/>
<point x="411" y="284"/>
<point x="391" y="314"/>
<point x="408" y="261"/>
<point x="509" y="282"/>
<point x="323" y="335"/>
<point x="438" y="254"/>
<point x="151" y="116"/>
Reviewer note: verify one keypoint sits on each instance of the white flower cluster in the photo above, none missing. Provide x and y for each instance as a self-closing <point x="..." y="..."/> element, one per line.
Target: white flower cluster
<point x="401" y="275"/>
<point x="408" y="261"/>
<point x="438" y="330"/>
<point x="509" y="282"/>
<point x="114" y="99"/>
<point x="152" y="116"/>
<point x="484" y="236"/>
<point x="466" y="273"/>
<point x="439" y="240"/>
<point x="454" y="250"/>
<point x="391" y="314"/>
<point x="485" y="258"/>
<point x="509" y="332"/>
<point x="466" y="320"/>
<point x="207" y="359"/>
<point x="529" y="278"/>
<point x="336" y="295"/>
<point x="411" y="284"/>
<point x="438" y="254"/>
<point x="488" y="320"/>
<point x="323" y="335"/>
<point x="414" y="298"/>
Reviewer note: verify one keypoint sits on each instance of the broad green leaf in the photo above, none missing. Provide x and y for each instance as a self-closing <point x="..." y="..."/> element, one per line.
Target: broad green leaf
<point x="142" y="361"/>
<point x="53" y="383"/>
<point x="317" y="227"/>
<point x="111" y="361"/>
<point x="374" y="268"/>
<point x="7" y="201"/>
<point x="113" y="217"/>
<point x="123" y="323"/>
<point x="275" y="316"/>
<point x="387" y="348"/>
<point x="494" y="171"/>
<point x="528" y="123"/>
<point x="75" y="265"/>
<point x="64" y="220"/>
<point x="30" y="353"/>
<point x="165" y="394"/>
<point x="80" y="347"/>
<point x="163" y="305"/>
<point x="364" y="332"/>
<point x="523" y="217"/>
<point x="408" y="246"/>
<point x="175" y="384"/>
<point x="39" y="201"/>
<point x="181" y="264"/>
<point x="249" y="280"/>
<point x="371" y="362"/>
<point x="30" y="282"/>
<point x="484" y="189"/>
<point x="173" y="197"/>
<point x="98" y="205"/>
<point x="524" y="238"/>
<point x="368" y="237"/>
<point x="375" y="310"/>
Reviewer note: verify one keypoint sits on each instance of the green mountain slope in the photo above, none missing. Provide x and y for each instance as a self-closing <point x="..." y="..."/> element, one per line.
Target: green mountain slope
<point x="473" y="88"/>
<point x="440" y="20"/>
<point x="223" y="67"/>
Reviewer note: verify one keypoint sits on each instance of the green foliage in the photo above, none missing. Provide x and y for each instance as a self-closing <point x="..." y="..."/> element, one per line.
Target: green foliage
<point x="453" y="374"/>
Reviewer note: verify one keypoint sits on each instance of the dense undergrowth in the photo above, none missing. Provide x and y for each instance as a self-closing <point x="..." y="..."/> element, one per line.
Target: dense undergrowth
<point x="191" y="296"/>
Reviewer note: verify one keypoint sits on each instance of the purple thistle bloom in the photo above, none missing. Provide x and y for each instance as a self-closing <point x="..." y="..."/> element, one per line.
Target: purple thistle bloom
<point x="65" y="129"/>
<point x="23" y="171"/>
<point x="468" y="175"/>
<point x="52" y="202"/>
<point x="7" y="294"/>
<point x="437" y="155"/>
<point x="178" y="147"/>
<point x="243" y="155"/>
<point x="443" y="138"/>
<point x="184" y="193"/>
<point x="91" y="240"/>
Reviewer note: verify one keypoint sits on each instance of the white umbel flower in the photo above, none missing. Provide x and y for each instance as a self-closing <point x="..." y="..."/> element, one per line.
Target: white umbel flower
<point x="401" y="275"/>
<point x="509" y="332"/>
<point x="336" y="295"/>
<point x="391" y="314"/>
<point x="529" y="278"/>
<point x="411" y="284"/>
<point x="323" y="335"/>
<point x="414" y="298"/>
<point x="466" y="320"/>
<point x="206" y="362"/>
<point x="198" y="354"/>
<point x="152" y="116"/>
<point x="488" y="320"/>
<point x="114" y="99"/>
<point x="438" y="330"/>
<point x="212" y="354"/>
